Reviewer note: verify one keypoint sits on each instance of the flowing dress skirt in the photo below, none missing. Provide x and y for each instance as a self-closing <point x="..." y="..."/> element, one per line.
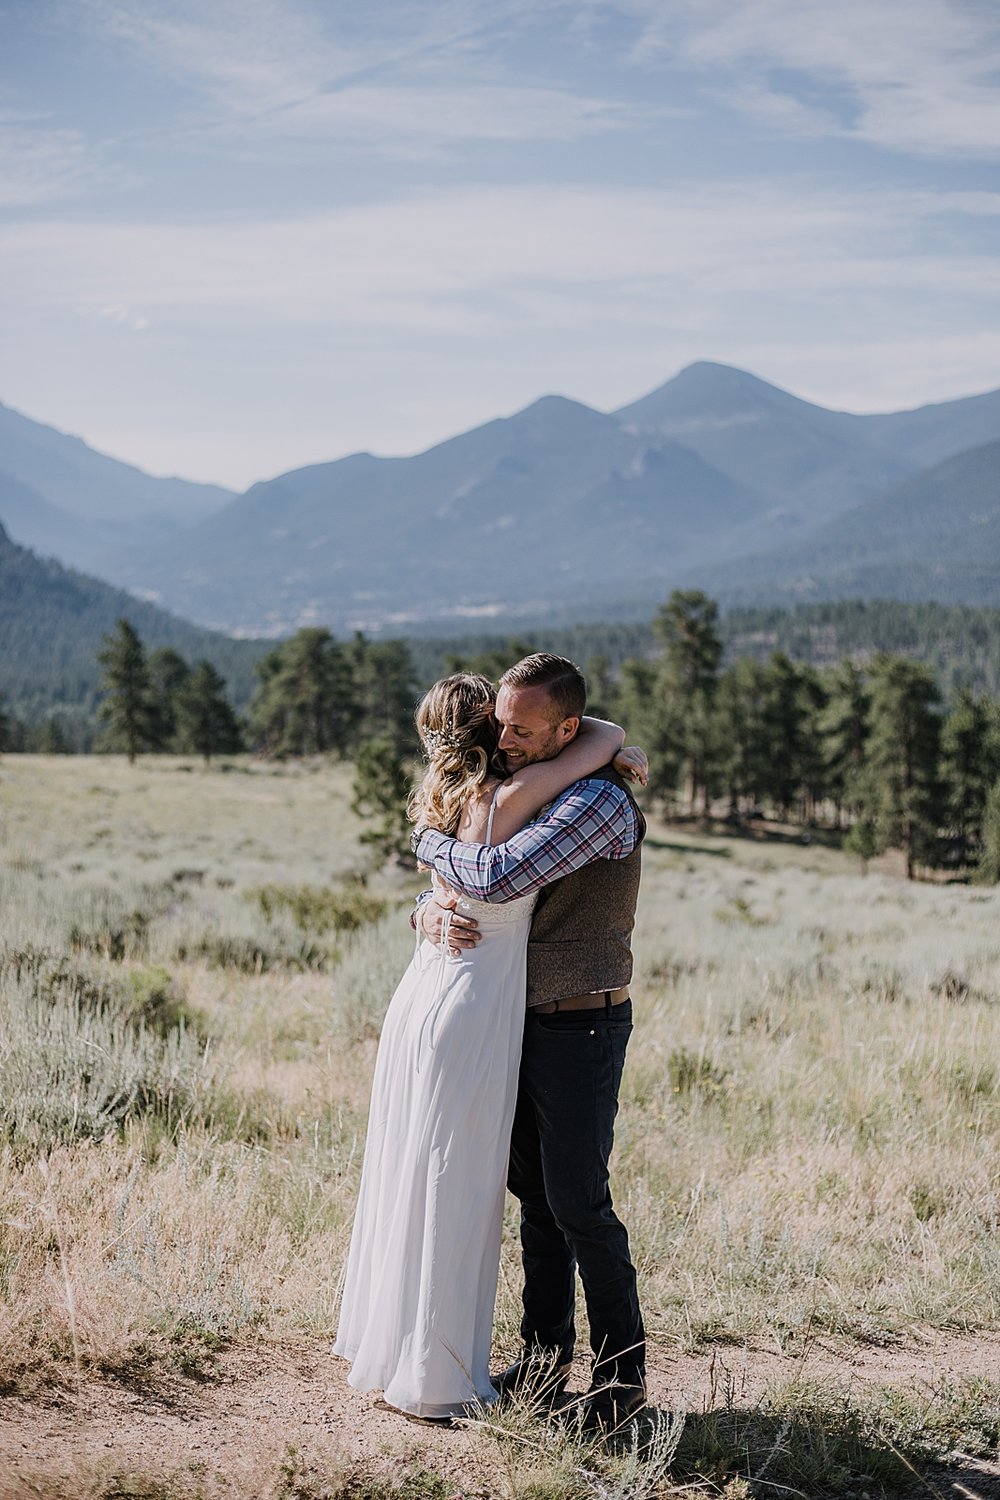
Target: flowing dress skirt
<point x="417" y="1312"/>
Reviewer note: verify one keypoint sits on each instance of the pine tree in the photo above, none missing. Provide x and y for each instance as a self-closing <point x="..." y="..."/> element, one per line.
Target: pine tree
<point x="987" y="871"/>
<point x="52" y="738"/>
<point x="740" y="734"/>
<point x="969" y="767"/>
<point x="843" y="728"/>
<point x="641" y="703"/>
<point x="381" y="791"/>
<point x="306" y="702"/>
<point x="687" y="625"/>
<point x="126" y="708"/>
<point x="793" y="765"/>
<point x="382" y="675"/>
<point x="602" y="692"/>
<point x="206" y="724"/>
<point x="860" y="839"/>
<point x="903" y="793"/>
<point x="168" y="674"/>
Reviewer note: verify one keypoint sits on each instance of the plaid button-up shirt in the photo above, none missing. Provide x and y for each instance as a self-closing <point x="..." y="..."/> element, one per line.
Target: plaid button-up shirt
<point x="591" y="820"/>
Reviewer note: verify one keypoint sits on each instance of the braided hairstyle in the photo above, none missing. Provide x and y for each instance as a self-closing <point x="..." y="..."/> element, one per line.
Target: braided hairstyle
<point x="459" y="739"/>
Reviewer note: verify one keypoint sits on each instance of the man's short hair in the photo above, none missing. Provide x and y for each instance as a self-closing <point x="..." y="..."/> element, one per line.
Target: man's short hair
<point x="561" y="679"/>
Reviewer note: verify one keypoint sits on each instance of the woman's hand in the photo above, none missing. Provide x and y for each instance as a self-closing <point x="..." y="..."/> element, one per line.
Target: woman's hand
<point x="463" y="932"/>
<point x="631" y="762"/>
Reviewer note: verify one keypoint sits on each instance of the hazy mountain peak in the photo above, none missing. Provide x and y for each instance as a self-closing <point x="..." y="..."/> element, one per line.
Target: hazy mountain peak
<point x="555" y="404"/>
<point x="712" y="395"/>
<point x="710" y="373"/>
<point x="557" y="413"/>
<point x="69" y="474"/>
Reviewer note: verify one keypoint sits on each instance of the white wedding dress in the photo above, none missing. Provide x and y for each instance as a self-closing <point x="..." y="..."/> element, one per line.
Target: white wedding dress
<point x="416" y="1317"/>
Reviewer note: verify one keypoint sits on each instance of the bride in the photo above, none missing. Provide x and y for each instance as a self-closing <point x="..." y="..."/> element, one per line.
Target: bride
<point x="416" y="1318"/>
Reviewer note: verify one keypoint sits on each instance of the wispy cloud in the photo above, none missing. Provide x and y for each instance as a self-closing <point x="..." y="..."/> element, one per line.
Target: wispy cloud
<point x="920" y="78"/>
<point x="402" y="76"/>
<point x="468" y="259"/>
<point x="409" y="119"/>
<point x="413" y="78"/>
<point x="123" y="316"/>
<point x="41" y="164"/>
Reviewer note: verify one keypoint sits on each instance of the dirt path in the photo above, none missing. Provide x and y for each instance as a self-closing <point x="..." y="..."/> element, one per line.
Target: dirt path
<point x="263" y="1402"/>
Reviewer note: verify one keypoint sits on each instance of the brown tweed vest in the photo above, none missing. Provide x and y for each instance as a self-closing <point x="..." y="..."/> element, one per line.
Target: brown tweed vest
<point x="579" y="942"/>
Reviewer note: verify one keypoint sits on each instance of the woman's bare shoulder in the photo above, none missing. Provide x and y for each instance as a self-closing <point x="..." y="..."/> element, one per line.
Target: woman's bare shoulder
<point x="476" y="813"/>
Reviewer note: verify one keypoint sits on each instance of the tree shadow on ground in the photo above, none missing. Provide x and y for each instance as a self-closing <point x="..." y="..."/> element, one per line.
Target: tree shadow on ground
<point x="717" y="852"/>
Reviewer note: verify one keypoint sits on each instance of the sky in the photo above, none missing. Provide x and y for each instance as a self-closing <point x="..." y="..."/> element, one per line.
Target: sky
<point x="241" y="236"/>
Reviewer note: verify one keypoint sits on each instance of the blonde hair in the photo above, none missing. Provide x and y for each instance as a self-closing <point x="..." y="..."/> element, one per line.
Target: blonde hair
<point x="459" y="739"/>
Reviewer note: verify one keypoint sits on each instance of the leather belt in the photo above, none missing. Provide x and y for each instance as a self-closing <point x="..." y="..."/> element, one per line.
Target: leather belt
<point x="602" y="1000"/>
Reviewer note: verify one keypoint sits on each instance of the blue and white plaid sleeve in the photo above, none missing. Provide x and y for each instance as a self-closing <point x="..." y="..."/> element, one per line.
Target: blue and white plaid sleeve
<point x="591" y="820"/>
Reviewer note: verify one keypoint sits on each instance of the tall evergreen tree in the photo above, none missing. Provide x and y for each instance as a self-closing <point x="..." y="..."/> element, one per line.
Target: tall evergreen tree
<point x="987" y="870"/>
<point x="843" y="727"/>
<point x="52" y="739"/>
<point x="206" y="724"/>
<point x="741" y="734"/>
<point x="386" y="695"/>
<point x="602" y="692"/>
<point x="903" y="793"/>
<point x="381" y="792"/>
<point x="306" y="701"/>
<point x="126" y="708"/>
<point x="969" y="767"/>
<point x="641" y="704"/>
<point x="793" y="765"/>
<point x="687" y="626"/>
<point x="168" y="675"/>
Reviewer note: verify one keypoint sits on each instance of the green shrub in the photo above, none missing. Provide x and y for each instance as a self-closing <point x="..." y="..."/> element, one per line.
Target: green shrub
<point x="114" y="940"/>
<point x="151" y="996"/>
<point x="147" y="996"/>
<point x="82" y="1055"/>
<point x="320" y="908"/>
<point x="691" y="1074"/>
<point x="248" y="955"/>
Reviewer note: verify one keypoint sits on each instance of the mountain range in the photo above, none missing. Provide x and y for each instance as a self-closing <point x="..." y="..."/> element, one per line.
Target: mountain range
<point x="716" y="479"/>
<point x="60" y="497"/>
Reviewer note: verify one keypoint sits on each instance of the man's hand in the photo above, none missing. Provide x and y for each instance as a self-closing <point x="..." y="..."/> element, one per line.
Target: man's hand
<point x="463" y="931"/>
<point x="632" y="764"/>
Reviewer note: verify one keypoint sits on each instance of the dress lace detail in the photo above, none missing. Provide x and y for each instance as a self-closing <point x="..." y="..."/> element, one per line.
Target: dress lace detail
<point x="495" y="913"/>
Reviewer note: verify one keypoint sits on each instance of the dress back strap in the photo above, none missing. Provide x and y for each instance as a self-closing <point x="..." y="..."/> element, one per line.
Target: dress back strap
<point x="493" y="808"/>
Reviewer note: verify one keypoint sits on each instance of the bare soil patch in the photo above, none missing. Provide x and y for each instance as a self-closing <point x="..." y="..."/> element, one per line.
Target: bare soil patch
<point x="264" y="1401"/>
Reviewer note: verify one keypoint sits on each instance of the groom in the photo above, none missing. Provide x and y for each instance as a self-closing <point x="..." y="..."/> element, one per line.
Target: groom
<point x="582" y="855"/>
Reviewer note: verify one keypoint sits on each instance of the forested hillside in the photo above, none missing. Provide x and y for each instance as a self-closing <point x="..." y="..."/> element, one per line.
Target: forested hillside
<point x="934" y="536"/>
<point x="52" y="621"/>
<point x="960" y="644"/>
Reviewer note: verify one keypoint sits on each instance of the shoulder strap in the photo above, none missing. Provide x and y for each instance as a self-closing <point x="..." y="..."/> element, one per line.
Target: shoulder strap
<point x="493" y="808"/>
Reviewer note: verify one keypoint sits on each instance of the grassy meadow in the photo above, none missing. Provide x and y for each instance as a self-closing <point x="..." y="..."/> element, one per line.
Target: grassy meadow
<point x="193" y="969"/>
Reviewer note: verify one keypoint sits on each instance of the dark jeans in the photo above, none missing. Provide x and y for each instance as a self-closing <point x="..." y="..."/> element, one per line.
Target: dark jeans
<point x="571" y="1068"/>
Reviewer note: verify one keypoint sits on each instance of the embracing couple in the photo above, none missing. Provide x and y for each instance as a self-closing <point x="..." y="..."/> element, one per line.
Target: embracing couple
<point x="525" y="818"/>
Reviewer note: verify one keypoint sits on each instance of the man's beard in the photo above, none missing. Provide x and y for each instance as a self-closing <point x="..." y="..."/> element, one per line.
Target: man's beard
<point x="551" y="748"/>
